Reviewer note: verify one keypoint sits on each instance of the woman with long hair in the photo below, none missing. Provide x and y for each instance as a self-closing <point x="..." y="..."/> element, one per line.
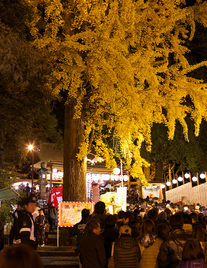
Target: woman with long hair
<point x="149" y="245"/>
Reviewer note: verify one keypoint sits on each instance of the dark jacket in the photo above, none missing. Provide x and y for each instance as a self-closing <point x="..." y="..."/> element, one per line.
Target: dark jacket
<point x="28" y="230"/>
<point x="92" y="252"/>
<point x="110" y="234"/>
<point x="170" y="253"/>
<point x="193" y="264"/>
<point x="78" y="230"/>
<point x="126" y="252"/>
<point x="41" y="221"/>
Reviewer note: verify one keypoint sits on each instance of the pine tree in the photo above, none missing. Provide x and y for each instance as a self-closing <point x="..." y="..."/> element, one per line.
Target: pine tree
<point x="124" y="66"/>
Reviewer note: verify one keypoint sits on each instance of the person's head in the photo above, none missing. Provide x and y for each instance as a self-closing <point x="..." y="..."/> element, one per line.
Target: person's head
<point x="99" y="207"/>
<point x="121" y="214"/>
<point x="85" y="213"/>
<point x="147" y="228"/>
<point x="162" y="216"/>
<point x="19" y="256"/>
<point x="176" y="221"/>
<point x="194" y="217"/>
<point x="163" y="230"/>
<point x="92" y="226"/>
<point x="169" y="213"/>
<point x="128" y="216"/>
<point x="30" y="204"/>
<point x="110" y="221"/>
<point x="41" y="212"/>
<point x="199" y="233"/>
<point x="152" y="214"/>
<point x="192" y="251"/>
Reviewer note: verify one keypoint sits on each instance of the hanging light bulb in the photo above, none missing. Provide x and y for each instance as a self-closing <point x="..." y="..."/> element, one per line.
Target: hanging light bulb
<point x="187" y="175"/>
<point x="194" y="178"/>
<point x="180" y="178"/>
<point x="202" y="176"/>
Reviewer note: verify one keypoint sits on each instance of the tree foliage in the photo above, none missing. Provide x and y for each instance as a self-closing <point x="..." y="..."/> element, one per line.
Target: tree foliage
<point x="124" y="62"/>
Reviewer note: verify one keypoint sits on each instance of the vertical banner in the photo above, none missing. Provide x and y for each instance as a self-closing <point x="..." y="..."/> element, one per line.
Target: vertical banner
<point x="95" y="194"/>
<point x="122" y="197"/>
<point x="88" y="186"/>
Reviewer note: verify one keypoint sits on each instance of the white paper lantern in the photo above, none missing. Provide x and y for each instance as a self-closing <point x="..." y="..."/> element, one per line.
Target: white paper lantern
<point x="202" y="176"/>
<point x="194" y="178"/>
<point x="180" y="178"/>
<point x="174" y="181"/>
<point x="187" y="175"/>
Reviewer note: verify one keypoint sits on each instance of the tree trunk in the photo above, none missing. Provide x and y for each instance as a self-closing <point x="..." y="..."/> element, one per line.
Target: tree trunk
<point x="74" y="182"/>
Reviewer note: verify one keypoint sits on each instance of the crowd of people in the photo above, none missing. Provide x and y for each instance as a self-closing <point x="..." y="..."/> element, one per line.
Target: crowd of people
<point x="149" y="234"/>
<point x="152" y="235"/>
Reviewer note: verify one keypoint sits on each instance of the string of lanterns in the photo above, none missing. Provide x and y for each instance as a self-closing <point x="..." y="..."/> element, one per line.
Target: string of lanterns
<point x="180" y="179"/>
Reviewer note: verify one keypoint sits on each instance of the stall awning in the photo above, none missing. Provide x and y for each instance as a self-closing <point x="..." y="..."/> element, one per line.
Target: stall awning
<point x="8" y="193"/>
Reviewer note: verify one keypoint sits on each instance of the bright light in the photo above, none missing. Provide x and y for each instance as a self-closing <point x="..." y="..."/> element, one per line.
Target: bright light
<point x="187" y="175"/>
<point x="194" y="178"/>
<point x="180" y="178"/>
<point x="174" y="181"/>
<point x="168" y="183"/>
<point x="202" y="176"/>
<point x="116" y="171"/>
<point x="162" y="186"/>
<point x="30" y="147"/>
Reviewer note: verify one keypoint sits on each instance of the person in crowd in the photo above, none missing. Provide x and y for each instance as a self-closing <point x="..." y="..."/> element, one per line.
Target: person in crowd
<point x="52" y="216"/>
<point x="26" y="224"/>
<point x="120" y="216"/>
<point x="109" y="234"/>
<point x="126" y="249"/>
<point x="100" y="213"/>
<point x="149" y="245"/>
<point x="187" y="226"/>
<point x="18" y="213"/>
<point x="27" y="189"/>
<point x="162" y="217"/>
<point x="78" y="228"/>
<point x="200" y="235"/>
<point x="41" y="223"/>
<point x="91" y="248"/>
<point x="153" y="214"/>
<point x="135" y="226"/>
<point x="192" y="255"/>
<point x="19" y="256"/>
<point x="169" y="213"/>
<point x="170" y="253"/>
<point x="194" y="217"/>
<point x="128" y="217"/>
<point x="162" y="230"/>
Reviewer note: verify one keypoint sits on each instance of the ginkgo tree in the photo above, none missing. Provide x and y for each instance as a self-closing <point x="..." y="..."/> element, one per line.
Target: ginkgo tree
<point x="123" y="65"/>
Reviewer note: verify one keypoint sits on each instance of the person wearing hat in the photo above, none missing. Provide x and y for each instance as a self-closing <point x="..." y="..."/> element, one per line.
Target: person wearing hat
<point x="27" y="226"/>
<point x="126" y="250"/>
